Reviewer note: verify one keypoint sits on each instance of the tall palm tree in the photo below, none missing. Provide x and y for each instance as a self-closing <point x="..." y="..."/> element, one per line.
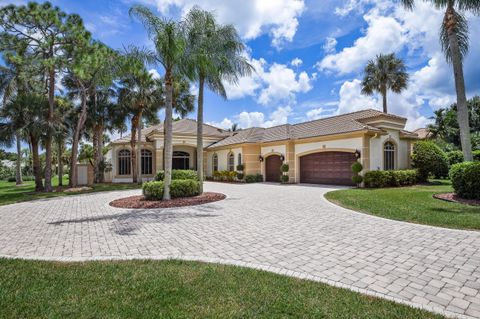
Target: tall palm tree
<point x="140" y="95"/>
<point x="454" y="40"/>
<point x="213" y="55"/>
<point x="167" y="36"/>
<point x="385" y="72"/>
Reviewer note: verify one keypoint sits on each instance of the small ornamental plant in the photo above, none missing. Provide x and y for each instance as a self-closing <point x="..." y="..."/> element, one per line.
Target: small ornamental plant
<point x="356" y="169"/>
<point x="284" y="178"/>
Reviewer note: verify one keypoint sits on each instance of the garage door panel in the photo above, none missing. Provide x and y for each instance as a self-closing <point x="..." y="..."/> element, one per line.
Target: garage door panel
<point x="327" y="168"/>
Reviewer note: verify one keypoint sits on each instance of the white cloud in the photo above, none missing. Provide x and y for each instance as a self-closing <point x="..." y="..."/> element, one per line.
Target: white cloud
<point x="248" y="85"/>
<point x="154" y="74"/>
<point x="256" y="119"/>
<point x="383" y="35"/>
<point x="296" y="62"/>
<point x="252" y="18"/>
<point x="330" y="44"/>
<point x="318" y="113"/>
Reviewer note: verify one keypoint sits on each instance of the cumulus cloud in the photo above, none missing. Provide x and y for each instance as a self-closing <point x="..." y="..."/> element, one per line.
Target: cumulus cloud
<point x="252" y="18"/>
<point x="330" y="44"/>
<point x="384" y="34"/>
<point x="154" y="74"/>
<point x="296" y="62"/>
<point x="257" y="119"/>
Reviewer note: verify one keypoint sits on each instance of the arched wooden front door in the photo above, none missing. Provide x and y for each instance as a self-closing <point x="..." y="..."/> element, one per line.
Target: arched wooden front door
<point x="272" y="168"/>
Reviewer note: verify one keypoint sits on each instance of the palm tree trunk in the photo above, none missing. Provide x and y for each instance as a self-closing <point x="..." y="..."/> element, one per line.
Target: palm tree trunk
<point x="133" y="147"/>
<point x="168" y="147"/>
<point x="99" y="159"/>
<point x="48" y="144"/>
<point x="18" y="177"/>
<point x="462" y="108"/>
<point x="60" y="163"/>
<point x="36" y="165"/>
<point x="139" y="150"/>
<point x="76" y="139"/>
<point x="384" y="97"/>
<point x="200" y="133"/>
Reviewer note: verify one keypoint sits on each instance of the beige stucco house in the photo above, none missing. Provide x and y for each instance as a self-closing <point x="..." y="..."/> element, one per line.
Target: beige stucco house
<point x="320" y="151"/>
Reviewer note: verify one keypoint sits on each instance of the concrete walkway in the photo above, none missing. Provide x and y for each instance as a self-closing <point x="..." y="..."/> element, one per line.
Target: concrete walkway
<point x="290" y="230"/>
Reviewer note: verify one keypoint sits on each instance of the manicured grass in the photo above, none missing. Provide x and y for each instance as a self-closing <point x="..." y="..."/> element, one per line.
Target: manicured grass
<point x="175" y="289"/>
<point x="10" y="193"/>
<point x="412" y="204"/>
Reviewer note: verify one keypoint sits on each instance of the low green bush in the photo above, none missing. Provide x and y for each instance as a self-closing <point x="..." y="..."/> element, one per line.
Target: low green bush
<point x="259" y="178"/>
<point x="240" y="167"/>
<point x="379" y="179"/>
<point x="429" y="160"/>
<point x="476" y="155"/>
<point x="284" y="179"/>
<point x="178" y="174"/>
<point x="357" y="179"/>
<point x="251" y="179"/>
<point x="240" y="176"/>
<point x="454" y="157"/>
<point x="357" y="167"/>
<point x="284" y="168"/>
<point x="178" y="188"/>
<point x="466" y="179"/>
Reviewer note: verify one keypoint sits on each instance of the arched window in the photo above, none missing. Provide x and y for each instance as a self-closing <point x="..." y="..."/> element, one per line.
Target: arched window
<point x="147" y="162"/>
<point x="215" y="162"/>
<point x="231" y="162"/>
<point x="124" y="162"/>
<point x="388" y="156"/>
<point x="181" y="160"/>
<point x="239" y="159"/>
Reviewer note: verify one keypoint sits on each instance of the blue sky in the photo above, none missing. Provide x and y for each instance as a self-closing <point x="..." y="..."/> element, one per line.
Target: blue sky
<point x="308" y="55"/>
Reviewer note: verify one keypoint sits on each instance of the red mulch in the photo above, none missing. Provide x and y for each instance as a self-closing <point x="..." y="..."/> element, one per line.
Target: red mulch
<point x="452" y="197"/>
<point x="141" y="202"/>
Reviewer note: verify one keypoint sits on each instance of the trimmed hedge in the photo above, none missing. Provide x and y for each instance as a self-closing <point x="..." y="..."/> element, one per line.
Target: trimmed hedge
<point x="224" y="176"/>
<point x="284" y="179"/>
<point x="379" y="179"/>
<point x="178" y="188"/>
<point x="178" y="174"/>
<point x="466" y="179"/>
<point x="454" y="157"/>
<point x="429" y="159"/>
<point x="258" y="178"/>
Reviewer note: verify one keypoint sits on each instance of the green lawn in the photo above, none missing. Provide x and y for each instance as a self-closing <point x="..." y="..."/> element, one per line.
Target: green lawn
<point x="412" y="204"/>
<point x="10" y="193"/>
<point x="175" y="289"/>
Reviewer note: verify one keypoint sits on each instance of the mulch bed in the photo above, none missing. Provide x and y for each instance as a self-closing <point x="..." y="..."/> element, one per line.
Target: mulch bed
<point x="141" y="202"/>
<point x="452" y="197"/>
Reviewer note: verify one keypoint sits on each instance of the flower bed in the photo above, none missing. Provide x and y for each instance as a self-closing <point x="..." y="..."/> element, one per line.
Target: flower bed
<point x="139" y="202"/>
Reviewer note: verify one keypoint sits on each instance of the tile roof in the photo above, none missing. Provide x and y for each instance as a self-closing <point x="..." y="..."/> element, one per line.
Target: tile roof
<point x="180" y="127"/>
<point x="422" y="133"/>
<point x="344" y="123"/>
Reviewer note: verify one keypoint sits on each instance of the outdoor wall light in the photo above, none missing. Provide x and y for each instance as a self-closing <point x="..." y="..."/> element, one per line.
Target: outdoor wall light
<point x="260" y="158"/>
<point x="358" y="154"/>
<point x="282" y="158"/>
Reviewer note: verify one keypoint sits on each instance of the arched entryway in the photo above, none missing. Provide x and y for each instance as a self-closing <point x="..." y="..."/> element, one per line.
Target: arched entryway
<point x="327" y="168"/>
<point x="272" y="168"/>
<point x="180" y="160"/>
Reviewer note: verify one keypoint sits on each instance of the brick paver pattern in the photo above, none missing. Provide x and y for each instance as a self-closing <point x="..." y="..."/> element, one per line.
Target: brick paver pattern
<point x="290" y="230"/>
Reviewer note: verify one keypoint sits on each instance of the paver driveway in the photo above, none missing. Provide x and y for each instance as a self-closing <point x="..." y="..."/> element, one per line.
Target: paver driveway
<point x="286" y="229"/>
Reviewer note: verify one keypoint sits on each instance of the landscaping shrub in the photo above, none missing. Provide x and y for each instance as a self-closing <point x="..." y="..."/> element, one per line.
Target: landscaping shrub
<point x="224" y="176"/>
<point x="178" y="174"/>
<point x="284" y="168"/>
<point x="240" y="176"/>
<point x="178" y="188"/>
<point x="379" y="179"/>
<point x="284" y="179"/>
<point x="251" y="179"/>
<point x="240" y="167"/>
<point x="357" y="179"/>
<point x="11" y="179"/>
<point x="466" y="179"/>
<point x="357" y="167"/>
<point x="259" y="178"/>
<point x="429" y="160"/>
<point x="454" y="157"/>
<point x="476" y="155"/>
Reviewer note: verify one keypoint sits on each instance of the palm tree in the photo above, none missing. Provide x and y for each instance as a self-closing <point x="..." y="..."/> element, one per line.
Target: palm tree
<point x="183" y="102"/>
<point x="169" y="44"/>
<point x="139" y="94"/>
<point x="234" y="128"/>
<point x="386" y="72"/>
<point x="454" y="40"/>
<point x="213" y="55"/>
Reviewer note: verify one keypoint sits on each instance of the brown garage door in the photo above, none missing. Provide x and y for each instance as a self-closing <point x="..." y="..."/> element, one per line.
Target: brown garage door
<point x="327" y="168"/>
<point x="272" y="168"/>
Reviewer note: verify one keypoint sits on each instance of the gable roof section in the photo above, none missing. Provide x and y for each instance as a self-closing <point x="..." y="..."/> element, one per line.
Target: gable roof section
<point x="180" y="127"/>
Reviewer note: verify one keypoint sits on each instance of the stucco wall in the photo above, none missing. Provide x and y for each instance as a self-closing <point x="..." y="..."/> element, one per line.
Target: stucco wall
<point x="222" y="159"/>
<point x="376" y="151"/>
<point x="281" y="149"/>
<point x="348" y="143"/>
